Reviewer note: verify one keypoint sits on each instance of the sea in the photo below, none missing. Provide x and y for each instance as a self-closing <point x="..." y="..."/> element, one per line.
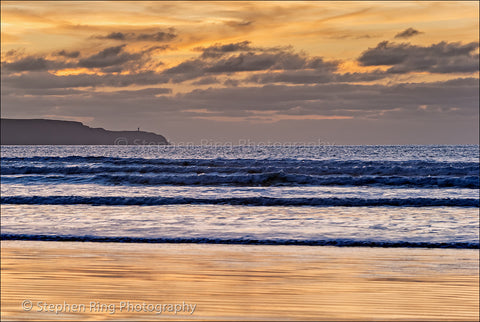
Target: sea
<point x="324" y="195"/>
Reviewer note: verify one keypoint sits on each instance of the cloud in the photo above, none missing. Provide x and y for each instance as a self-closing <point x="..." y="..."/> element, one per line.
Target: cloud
<point x="158" y="36"/>
<point x="348" y="35"/>
<point x="68" y="54"/>
<point x="156" y="48"/>
<point x="450" y="99"/>
<point x="437" y="58"/>
<point x="317" y="76"/>
<point x="407" y="33"/>
<point x="186" y="70"/>
<point x="451" y="103"/>
<point x="267" y="66"/>
<point x="218" y="50"/>
<point x="108" y="57"/>
<point x="109" y="60"/>
<point x="263" y="65"/>
<point x="27" y="64"/>
<point x="114" y="36"/>
<point x="33" y="63"/>
<point x="294" y="83"/>
<point x="257" y="61"/>
<point x="239" y="24"/>
<point x="45" y="80"/>
<point x="144" y="104"/>
<point x="225" y="59"/>
<point x="294" y="77"/>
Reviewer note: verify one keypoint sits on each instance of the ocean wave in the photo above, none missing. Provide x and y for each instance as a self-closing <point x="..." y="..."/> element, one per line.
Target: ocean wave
<point x="244" y="241"/>
<point x="244" y="201"/>
<point x="246" y="172"/>
<point x="285" y="179"/>
<point x="73" y="164"/>
<point x="251" y="179"/>
<point x="240" y="172"/>
<point x="332" y="169"/>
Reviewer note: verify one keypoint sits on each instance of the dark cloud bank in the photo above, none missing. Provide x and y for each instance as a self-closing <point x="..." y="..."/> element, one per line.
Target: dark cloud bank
<point x="437" y="58"/>
<point x="253" y="80"/>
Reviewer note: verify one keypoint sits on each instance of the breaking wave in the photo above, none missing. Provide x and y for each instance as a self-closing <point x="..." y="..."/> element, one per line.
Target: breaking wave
<point x="243" y="241"/>
<point x="244" y="201"/>
<point x="240" y="172"/>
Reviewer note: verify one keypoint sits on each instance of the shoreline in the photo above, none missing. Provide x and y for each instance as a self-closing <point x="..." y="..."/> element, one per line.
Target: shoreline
<point x="238" y="282"/>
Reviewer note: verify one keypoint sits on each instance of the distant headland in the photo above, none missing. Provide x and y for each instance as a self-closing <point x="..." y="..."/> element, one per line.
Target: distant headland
<point x="56" y="132"/>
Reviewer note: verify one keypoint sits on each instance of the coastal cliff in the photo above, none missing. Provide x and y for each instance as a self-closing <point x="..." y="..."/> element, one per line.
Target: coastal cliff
<point x="55" y="132"/>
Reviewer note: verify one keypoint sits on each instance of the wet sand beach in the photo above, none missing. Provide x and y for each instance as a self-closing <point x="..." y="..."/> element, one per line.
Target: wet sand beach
<point x="113" y="281"/>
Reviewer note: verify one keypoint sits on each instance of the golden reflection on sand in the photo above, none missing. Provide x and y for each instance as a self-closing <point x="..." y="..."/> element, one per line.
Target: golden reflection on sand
<point x="240" y="282"/>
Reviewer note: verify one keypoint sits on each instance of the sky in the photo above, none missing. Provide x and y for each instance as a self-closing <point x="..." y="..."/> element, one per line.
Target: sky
<point x="255" y="72"/>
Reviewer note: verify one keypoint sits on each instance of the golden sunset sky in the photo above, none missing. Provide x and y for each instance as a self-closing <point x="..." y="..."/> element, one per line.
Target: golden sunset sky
<point x="349" y="72"/>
